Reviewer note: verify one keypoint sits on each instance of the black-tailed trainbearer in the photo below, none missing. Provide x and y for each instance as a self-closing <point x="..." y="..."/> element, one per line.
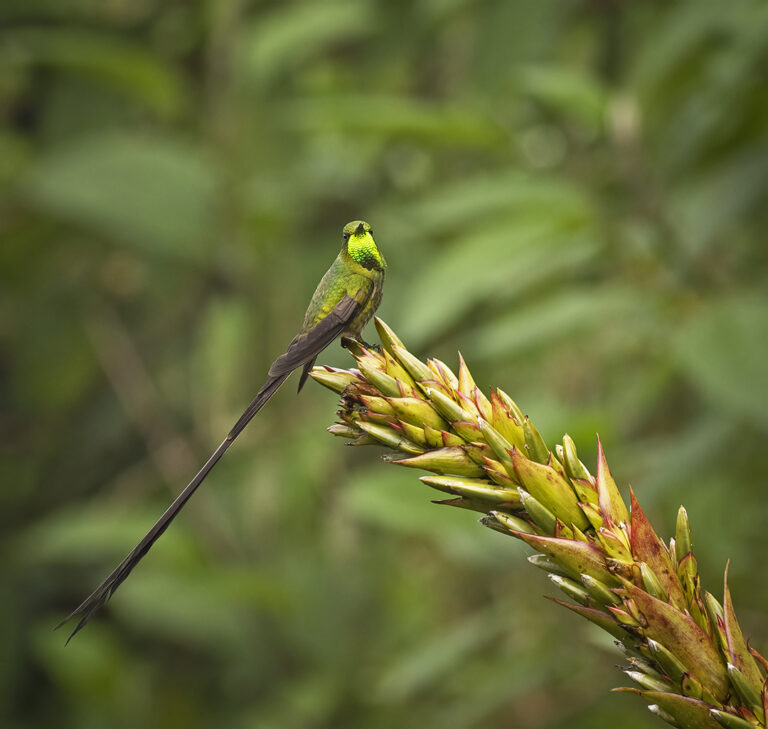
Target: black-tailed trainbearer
<point x="343" y="303"/>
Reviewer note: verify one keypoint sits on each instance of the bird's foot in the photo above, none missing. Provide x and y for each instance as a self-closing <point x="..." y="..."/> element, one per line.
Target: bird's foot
<point x="356" y="345"/>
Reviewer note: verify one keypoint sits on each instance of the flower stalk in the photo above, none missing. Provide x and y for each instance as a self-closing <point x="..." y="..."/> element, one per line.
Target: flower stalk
<point x="685" y="649"/>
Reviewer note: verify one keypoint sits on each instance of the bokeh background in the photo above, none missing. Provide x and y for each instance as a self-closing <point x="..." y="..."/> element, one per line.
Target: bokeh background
<point x="571" y="192"/>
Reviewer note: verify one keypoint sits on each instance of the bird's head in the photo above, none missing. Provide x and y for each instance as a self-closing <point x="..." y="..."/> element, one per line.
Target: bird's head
<point x="359" y="243"/>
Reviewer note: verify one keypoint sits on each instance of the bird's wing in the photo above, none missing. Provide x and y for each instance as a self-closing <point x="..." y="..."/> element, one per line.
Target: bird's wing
<point x="304" y="347"/>
<point x="308" y="344"/>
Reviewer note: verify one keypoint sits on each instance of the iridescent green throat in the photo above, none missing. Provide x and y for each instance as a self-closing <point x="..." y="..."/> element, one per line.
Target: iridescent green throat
<point x="362" y="248"/>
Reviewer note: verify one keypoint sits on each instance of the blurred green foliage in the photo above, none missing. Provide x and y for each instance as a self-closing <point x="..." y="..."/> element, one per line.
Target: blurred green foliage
<point x="572" y="191"/>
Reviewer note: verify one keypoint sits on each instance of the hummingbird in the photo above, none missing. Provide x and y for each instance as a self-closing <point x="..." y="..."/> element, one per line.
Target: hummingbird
<point x="345" y="300"/>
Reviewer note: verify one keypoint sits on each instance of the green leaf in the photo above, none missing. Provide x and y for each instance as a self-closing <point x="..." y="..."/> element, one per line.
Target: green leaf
<point x="567" y="314"/>
<point x="434" y="659"/>
<point x="465" y="202"/>
<point x="708" y="208"/>
<point x="505" y="260"/>
<point x="724" y="352"/>
<point x="99" y="533"/>
<point x="397" y="502"/>
<point x="124" y="66"/>
<point x="395" y="116"/>
<point x="291" y="35"/>
<point x="572" y="92"/>
<point x="146" y="191"/>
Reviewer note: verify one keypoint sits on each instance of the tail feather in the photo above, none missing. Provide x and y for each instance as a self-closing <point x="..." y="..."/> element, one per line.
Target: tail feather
<point x="303" y="350"/>
<point x="269" y="388"/>
<point x="305" y="373"/>
<point x="107" y="588"/>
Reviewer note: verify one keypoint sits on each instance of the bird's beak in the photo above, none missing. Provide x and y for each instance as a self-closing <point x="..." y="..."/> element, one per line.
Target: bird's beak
<point x="360" y="229"/>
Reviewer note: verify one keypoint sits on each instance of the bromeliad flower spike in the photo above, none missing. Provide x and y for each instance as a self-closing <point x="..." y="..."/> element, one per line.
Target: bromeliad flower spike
<point x="685" y="648"/>
<point x="343" y="303"/>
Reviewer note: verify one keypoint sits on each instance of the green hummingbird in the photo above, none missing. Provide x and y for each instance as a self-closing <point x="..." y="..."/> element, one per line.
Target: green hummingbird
<point x="345" y="300"/>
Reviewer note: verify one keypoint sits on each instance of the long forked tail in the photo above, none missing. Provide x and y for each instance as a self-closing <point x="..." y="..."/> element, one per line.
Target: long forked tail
<point x="106" y="589"/>
<point x="302" y="350"/>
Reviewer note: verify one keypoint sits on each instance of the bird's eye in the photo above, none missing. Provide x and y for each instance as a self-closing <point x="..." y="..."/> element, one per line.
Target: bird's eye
<point x="346" y="236"/>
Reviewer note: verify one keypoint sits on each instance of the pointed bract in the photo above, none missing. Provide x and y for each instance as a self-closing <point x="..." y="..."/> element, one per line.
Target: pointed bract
<point x="600" y="591"/>
<point x="749" y="695"/>
<point x="546" y="563"/>
<point x="572" y="589"/>
<point x="651" y="583"/>
<point x="413" y="433"/>
<point x="386" y="384"/>
<point x="416" y="411"/>
<point x="444" y="373"/>
<point x="684" y="638"/>
<point x="535" y="446"/>
<point x="669" y="663"/>
<point x="515" y="411"/>
<point x="715" y="616"/>
<point x="690" y="713"/>
<point x="466" y="382"/>
<point x="573" y="466"/>
<point x="611" y="504"/>
<point x="729" y="721"/>
<point x="682" y="534"/>
<point x="452" y="461"/>
<point x="467" y="430"/>
<point x="738" y="653"/>
<point x="537" y="512"/>
<point x="577" y="556"/>
<point x="473" y="488"/>
<point x="647" y="547"/>
<point x="405" y="382"/>
<point x="377" y="404"/>
<point x="333" y="379"/>
<point x="501" y="446"/>
<point x="388" y="338"/>
<point x="414" y="366"/>
<point x="656" y="710"/>
<point x="504" y="423"/>
<point x="482" y="403"/>
<point x="548" y="487"/>
<point x="506" y="523"/>
<point x="448" y="408"/>
<point x="648" y="682"/>
<point x="344" y="431"/>
<point x="598" y="617"/>
<point x="390" y="438"/>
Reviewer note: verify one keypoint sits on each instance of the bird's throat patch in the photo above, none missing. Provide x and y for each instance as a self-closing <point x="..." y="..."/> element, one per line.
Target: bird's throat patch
<point x="362" y="248"/>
